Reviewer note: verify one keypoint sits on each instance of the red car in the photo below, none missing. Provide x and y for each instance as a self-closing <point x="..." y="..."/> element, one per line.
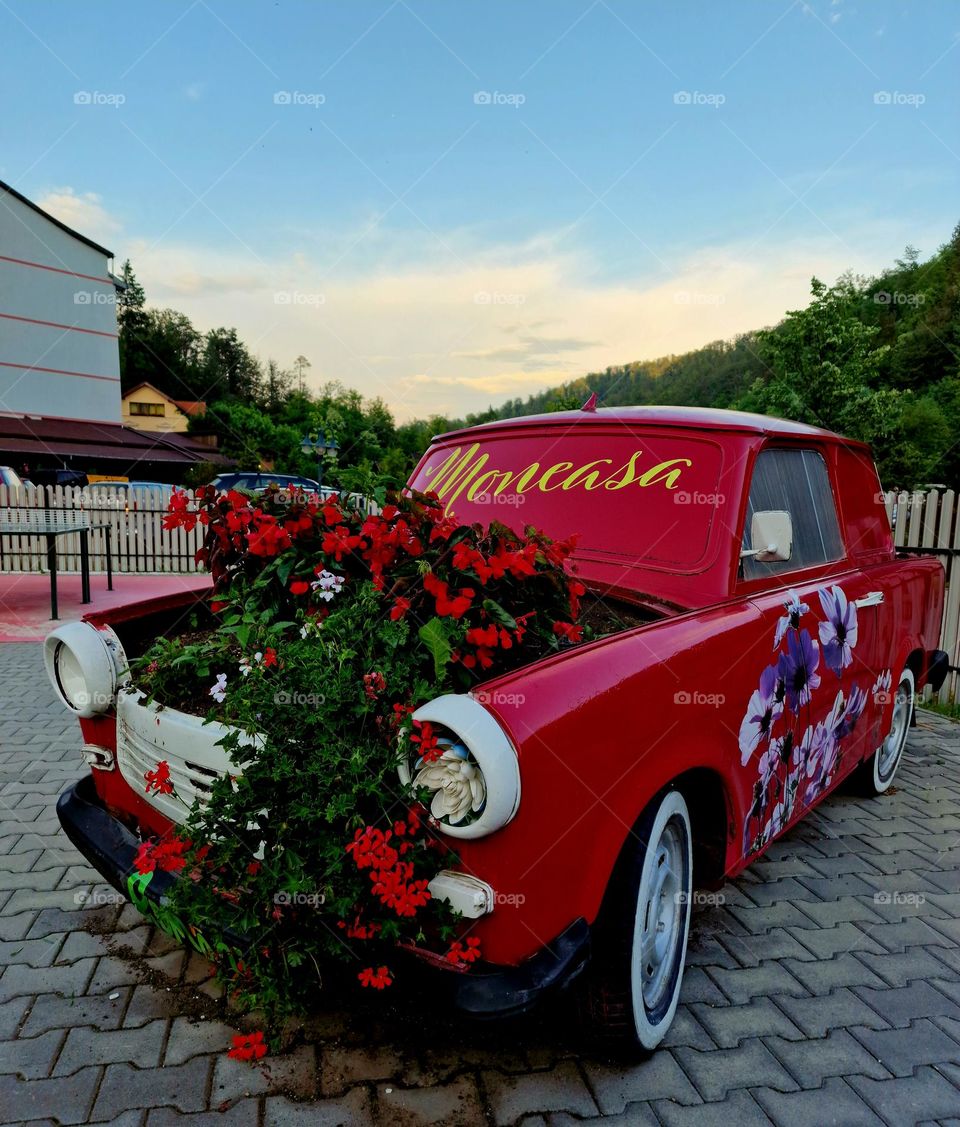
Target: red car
<point x="764" y="640"/>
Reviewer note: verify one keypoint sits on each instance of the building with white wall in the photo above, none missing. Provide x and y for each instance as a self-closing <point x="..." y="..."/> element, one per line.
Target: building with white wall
<point x="60" y="402"/>
<point x="59" y="355"/>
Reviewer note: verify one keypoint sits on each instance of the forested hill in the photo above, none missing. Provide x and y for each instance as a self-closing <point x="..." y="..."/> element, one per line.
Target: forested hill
<point x="875" y="358"/>
<point x="711" y="376"/>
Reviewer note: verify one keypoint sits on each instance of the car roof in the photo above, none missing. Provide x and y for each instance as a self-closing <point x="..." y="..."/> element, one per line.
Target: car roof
<point x="693" y="418"/>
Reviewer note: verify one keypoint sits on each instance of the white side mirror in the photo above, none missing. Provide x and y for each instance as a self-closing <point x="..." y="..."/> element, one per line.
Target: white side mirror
<point x="771" y="532"/>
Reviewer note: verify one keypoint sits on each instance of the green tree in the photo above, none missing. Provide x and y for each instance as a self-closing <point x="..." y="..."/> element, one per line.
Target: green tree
<point x="823" y="367"/>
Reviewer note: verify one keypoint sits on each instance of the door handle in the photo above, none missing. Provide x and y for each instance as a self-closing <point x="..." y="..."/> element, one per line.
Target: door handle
<point x="874" y="599"/>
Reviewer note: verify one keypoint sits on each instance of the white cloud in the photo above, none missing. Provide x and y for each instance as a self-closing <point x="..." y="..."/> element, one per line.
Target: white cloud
<point x="462" y="324"/>
<point x="84" y="212"/>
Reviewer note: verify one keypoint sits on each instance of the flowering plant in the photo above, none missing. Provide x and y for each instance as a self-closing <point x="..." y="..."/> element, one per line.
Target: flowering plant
<point x="330" y="623"/>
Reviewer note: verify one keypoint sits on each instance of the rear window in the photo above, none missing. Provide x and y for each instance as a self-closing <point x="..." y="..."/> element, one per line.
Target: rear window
<point x="639" y="496"/>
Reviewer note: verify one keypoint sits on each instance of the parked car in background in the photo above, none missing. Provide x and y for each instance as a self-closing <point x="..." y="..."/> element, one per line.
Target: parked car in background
<point x="59" y="476"/>
<point x="254" y="480"/>
<point x="763" y="641"/>
<point x="134" y="494"/>
<point x="156" y="486"/>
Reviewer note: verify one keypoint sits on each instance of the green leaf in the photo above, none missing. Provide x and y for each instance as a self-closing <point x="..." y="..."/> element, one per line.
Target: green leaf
<point x="433" y="634"/>
<point x="284" y="568"/>
<point x="498" y="614"/>
<point x="137" y="890"/>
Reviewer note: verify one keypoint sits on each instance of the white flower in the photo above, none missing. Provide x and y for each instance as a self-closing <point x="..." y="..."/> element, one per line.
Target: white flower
<point x="219" y="689"/>
<point x="881" y="687"/>
<point x="457" y="783"/>
<point x="245" y="667"/>
<point x="327" y="585"/>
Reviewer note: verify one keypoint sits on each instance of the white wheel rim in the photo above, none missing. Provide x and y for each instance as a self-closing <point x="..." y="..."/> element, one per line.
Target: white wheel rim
<point x="662" y="917"/>
<point x="889" y="752"/>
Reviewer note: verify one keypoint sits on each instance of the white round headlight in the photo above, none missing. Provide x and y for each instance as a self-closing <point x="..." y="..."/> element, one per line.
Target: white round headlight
<point x="476" y="779"/>
<point x="84" y="665"/>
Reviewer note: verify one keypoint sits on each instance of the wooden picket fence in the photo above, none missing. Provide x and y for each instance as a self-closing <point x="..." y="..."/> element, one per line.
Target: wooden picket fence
<point x="927" y="522"/>
<point x="139" y="542"/>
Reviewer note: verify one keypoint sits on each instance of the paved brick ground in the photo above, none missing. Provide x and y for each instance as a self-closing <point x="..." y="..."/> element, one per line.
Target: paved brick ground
<point x="824" y="989"/>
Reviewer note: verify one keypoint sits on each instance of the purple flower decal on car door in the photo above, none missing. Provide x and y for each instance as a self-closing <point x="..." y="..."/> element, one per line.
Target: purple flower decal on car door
<point x="765" y="706"/>
<point x="838" y="631"/>
<point x="799" y="755"/>
<point x="798" y="668"/>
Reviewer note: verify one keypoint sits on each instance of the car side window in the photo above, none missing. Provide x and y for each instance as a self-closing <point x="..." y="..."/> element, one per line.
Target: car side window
<point x="797" y="482"/>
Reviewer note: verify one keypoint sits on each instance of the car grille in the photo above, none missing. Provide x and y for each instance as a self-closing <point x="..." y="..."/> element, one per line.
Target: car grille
<point x="149" y="733"/>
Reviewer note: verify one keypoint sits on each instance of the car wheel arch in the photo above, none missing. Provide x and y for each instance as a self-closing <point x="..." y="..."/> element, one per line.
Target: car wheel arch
<point x="712" y="818"/>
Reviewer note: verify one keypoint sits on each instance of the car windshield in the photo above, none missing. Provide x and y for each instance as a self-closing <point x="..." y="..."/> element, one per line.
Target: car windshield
<point x="650" y="495"/>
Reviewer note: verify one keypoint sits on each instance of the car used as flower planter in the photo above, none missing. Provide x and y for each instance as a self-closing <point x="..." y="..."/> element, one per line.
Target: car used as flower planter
<point x="763" y="641"/>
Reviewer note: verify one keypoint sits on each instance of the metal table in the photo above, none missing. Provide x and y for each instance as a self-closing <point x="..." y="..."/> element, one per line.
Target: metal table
<point x="51" y="523"/>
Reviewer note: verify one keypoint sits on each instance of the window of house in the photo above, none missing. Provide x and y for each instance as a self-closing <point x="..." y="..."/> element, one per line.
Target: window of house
<point x="795" y="481"/>
<point x="147" y="408"/>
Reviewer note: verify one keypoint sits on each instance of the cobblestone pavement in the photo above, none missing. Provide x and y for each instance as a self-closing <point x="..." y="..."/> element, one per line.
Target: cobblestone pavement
<point x="824" y="989"/>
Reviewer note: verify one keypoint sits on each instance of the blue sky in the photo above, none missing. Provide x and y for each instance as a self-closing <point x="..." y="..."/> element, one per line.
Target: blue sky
<point x="447" y="204"/>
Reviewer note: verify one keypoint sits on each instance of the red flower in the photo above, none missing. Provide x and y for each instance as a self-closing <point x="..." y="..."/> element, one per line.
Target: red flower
<point x="374" y="684"/>
<point x="358" y="930"/>
<point x="167" y="856"/>
<point x="339" y="542"/>
<point x="568" y="631"/>
<point x="455" y="607"/>
<point x="464" y="953"/>
<point x="179" y="514"/>
<point x="248" y="1046"/>
<point x="159" y="780"/>
<point x="299" y="587"/>
<point x="377" y="979"/>
<point x="424" y="736"/>
<point x="399" y="608"/>
<point x="269" y="657"/>
<point x="575" y="589"/>
<point x="268" y="539"/>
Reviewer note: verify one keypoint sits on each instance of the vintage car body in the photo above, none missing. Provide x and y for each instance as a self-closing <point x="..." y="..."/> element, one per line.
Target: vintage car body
<point x="754" y="688"/>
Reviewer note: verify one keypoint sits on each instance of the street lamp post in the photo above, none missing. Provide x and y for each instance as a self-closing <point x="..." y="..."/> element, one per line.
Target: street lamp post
<point x="319" y="447"/>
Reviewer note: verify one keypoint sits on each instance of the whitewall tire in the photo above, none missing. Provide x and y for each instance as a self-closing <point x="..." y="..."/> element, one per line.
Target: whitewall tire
<point x="641" y="941"/>
<point x="875" y="775"/>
